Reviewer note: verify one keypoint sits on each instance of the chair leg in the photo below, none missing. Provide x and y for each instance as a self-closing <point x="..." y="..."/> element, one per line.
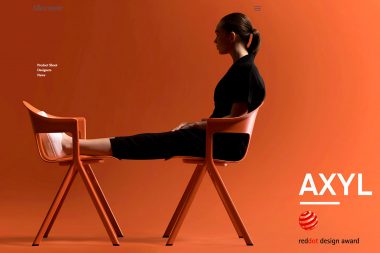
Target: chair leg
<point x="103" y="200"/>
<point x="233" y="220"/>
<point x="181" y="204"/>
<point x="98" y="205"/>
<point x="60" y="205"/>
<point x="186" y="205"/>
<point x="54" y="206"/>
<point x="230" y="214"/>
<point x="223" y="193"/>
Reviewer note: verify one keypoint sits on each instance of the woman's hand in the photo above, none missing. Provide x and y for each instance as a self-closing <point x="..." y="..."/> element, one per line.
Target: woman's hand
<point x="181" y="126"/>
<point x="187" y="125"/>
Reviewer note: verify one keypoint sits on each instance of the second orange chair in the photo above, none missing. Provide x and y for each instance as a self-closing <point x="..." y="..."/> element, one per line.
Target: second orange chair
<point x="77" y="163"/>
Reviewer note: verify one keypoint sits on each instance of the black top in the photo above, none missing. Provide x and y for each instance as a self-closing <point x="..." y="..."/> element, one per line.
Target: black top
<point x="241" y="83"/>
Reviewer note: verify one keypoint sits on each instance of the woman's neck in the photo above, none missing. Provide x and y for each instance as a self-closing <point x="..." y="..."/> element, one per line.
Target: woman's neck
<point x="238" y="53"/>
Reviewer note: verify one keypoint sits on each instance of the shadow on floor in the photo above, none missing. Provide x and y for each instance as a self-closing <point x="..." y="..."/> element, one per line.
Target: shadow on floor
<point x="80" y="240"/>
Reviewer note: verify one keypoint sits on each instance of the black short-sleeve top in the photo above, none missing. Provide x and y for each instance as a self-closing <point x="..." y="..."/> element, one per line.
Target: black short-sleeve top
<point x="241" y="83"/>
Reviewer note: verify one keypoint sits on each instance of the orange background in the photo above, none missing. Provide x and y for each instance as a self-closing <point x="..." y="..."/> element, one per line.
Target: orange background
<point x="145" y="66"/>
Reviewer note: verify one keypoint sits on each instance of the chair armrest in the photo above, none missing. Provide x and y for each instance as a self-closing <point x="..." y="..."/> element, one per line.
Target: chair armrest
<point x="82" y="127"/>
<point x="79" y="124"/>
<point x="43" y="124"/>
<point x="227" y="125"/>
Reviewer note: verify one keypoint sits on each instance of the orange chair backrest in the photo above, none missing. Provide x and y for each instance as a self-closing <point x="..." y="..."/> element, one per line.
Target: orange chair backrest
<point x="250" y="119"/>
<point x="40" y="127"/>
<point x="244" y="125"/>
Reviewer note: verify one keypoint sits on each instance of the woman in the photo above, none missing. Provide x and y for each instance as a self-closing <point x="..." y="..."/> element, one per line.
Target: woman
<point x="241" y="90"/>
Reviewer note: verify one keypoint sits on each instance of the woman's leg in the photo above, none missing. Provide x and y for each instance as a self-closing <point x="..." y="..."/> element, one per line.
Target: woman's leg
<point x="183" y="142"/>
<point x="100" y="146"/>
<point x="163" y="145"/>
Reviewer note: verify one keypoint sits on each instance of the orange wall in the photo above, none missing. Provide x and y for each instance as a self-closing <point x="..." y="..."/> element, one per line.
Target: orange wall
<point x="145" y="66"/>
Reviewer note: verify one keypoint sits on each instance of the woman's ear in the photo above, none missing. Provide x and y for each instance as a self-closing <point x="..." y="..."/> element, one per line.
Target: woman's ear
<point x="232" y="36"/>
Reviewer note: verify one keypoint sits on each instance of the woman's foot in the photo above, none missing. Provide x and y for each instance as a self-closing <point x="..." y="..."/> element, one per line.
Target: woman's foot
<point x="52" y="141"/>
<point x="53" y="144"/>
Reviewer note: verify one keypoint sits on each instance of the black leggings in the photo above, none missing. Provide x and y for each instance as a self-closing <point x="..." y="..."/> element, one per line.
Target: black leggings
<point x="182" y="142"/>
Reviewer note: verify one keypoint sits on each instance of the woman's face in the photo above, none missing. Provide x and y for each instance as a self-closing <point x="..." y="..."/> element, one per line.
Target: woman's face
<point x="223" y="40"/>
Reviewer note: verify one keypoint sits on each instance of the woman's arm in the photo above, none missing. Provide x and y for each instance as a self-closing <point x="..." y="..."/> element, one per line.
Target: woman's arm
<point x="238" y="109"/>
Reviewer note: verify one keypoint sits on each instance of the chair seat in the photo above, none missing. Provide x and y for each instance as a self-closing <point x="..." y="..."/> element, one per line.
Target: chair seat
<point x="197" y="160"/>
<point x="84" y="158"/>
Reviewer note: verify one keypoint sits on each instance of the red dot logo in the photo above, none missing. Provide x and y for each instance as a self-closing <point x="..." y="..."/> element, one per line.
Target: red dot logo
<point x="308" y="220"/>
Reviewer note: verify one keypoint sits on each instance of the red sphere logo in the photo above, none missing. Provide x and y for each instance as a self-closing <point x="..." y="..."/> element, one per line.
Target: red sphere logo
<point x="308" y="220"/>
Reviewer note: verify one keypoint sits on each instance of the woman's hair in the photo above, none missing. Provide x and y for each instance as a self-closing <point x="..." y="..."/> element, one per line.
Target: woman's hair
<point x="241" y="25"/>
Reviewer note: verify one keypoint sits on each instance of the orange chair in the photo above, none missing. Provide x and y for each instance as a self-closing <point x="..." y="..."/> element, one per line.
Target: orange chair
<point x="77" y="163"/>
<point x="242" y="124"/>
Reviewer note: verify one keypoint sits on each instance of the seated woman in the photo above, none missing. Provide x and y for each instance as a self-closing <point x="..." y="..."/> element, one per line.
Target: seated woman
<point x="241" y="90"/>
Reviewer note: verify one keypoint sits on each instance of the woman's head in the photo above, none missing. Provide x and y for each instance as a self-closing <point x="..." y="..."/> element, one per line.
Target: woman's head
<point x="236" y="28"/>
